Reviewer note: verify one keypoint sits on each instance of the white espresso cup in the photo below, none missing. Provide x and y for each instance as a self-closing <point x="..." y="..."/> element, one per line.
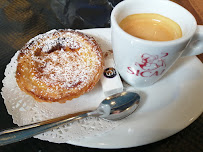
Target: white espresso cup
<point x="142" y="62"/>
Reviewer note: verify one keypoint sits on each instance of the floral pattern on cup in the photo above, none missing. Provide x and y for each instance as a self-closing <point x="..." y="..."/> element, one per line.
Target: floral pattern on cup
<point x="151" y="65"/>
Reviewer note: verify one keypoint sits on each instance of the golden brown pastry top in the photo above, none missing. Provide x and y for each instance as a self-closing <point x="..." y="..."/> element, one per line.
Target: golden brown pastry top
<point x="59" y="65"/>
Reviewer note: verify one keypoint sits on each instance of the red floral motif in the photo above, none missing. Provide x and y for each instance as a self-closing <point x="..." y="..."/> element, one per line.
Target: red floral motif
<point x="152" y="65"/>
<point x="151" y="62"/>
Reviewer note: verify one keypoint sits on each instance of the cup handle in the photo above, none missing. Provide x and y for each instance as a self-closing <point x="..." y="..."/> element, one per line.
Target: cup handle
<point x="195" y="47"/>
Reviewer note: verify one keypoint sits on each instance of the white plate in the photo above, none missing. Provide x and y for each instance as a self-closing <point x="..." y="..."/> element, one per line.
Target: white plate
<point x="167" y="107"/>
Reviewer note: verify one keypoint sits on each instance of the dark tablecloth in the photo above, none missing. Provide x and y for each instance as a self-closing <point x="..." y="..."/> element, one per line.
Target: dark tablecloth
<point x="21" y="20"/>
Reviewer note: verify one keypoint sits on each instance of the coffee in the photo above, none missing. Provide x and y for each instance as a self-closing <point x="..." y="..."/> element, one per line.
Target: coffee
<point x="153" y="27"/>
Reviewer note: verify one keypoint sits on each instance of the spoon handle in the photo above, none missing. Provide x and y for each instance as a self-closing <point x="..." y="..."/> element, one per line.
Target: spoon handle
<point x="27" y="131"/>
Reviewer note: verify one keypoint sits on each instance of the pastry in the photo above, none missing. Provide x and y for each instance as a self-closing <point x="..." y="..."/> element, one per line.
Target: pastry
<point x="59" y="65"/>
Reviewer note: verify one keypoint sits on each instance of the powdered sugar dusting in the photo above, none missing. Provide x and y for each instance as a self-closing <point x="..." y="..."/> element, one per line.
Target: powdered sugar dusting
<point x="62" y="59"/>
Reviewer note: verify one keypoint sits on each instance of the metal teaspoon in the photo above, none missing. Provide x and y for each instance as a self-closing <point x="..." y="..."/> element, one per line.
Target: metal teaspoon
<point x="114" y="107"/>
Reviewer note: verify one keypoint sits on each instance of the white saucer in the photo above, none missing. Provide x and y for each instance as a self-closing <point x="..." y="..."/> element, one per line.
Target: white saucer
<point x="167" y="107"/>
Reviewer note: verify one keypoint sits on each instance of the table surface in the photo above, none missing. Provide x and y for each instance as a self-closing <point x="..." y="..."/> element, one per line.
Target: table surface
<point x="21" y="20"/>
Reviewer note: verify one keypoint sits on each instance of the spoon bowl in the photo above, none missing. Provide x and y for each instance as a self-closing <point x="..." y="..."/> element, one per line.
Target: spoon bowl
<point x="118" y="106"/>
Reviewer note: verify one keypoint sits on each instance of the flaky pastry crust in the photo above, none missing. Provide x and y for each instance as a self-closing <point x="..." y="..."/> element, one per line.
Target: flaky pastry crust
<point x="59" y="65"/>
